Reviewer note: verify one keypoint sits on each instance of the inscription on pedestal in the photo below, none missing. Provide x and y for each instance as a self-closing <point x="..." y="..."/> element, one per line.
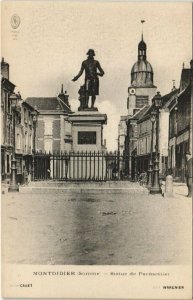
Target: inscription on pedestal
<point x="87" y="137"/>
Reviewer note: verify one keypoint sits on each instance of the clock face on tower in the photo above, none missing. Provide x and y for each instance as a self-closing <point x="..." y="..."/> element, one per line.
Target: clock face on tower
<point x="132" y="91"/>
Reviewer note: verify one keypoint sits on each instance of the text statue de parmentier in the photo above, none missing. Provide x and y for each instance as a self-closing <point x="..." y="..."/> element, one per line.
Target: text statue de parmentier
<point x="92" y="70"/>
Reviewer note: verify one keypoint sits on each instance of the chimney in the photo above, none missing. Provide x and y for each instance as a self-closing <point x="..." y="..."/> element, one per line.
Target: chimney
<point x="4" y="69"/>
<point x="64" y="96"/>
<point x="174" y="87"/>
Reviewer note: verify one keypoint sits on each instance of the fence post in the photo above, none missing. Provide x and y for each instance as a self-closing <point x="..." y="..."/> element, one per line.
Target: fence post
<point x="169" y="186"/>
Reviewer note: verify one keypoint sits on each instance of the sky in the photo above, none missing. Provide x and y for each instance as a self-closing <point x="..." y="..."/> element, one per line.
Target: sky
<point x="53" y="37"/>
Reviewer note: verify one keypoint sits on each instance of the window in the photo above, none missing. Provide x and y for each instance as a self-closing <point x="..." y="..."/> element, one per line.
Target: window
<point x="148" y="148"/>
<point x="8" y="107"/>
<point x="135" y="131"/>
<point x="18" y="141"/>
<point x="142" y="146"/>
<point x="8" y="167"/>
<point x="171" y="156"/>
<point x="19" y="165"/>
<point x="48" y="145"/>
<point x="145" y="126"/>
<point x="9" y="135"/>
<point x="18" y="118"/>
<point x="26" y="141"/>
<point x="139" y="129"/>
<point x="87" y="137"/>
<point x="30" y="142"/>
<point x="48" y="127"/>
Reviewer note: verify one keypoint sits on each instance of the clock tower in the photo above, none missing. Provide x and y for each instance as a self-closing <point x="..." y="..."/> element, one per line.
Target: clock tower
<point x="142" y="89"/>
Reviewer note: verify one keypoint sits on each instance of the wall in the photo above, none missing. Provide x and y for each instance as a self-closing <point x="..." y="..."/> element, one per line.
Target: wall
<point x="183" y="114"/>
<point x="150" y="92"/>
<point x="66" y="134"/>
<point x="144" y="137"/>
<point x="164" y="132"/>
<point x="51" y="131"/>
<point x="87" y="127"/>
<point x="122" y="131"/>
<point x="25" y="129"/>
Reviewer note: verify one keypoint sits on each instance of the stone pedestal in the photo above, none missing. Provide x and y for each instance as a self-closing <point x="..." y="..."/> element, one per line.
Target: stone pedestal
<point x="87" y="130"/>
<point x="94" y="109"/>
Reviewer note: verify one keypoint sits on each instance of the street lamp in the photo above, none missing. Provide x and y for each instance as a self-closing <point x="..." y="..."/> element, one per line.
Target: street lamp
<point x="157" y="101"/>
<point x="150" y="167"/>
<point x="13" y="187"/>
<point x="118" y="156"/>
<point x="155" y="189"/>
<point x="34" y="120"/>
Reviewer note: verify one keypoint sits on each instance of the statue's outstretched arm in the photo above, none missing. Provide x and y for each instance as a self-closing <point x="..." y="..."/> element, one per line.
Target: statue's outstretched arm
<point x="100" y="69"/>
<point x="79" y="74"/>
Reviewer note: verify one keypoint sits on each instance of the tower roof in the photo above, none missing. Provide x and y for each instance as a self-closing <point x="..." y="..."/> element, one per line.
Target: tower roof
<point x="142" y="66"/>
<point x="142" y="45"/>
<point x="142" y="71"/>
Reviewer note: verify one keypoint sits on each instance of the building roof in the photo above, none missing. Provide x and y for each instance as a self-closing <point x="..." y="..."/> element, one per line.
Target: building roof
<point x="26" y="104"/>
<point x="142" y="45"/>
<point x="185" y="78"/>
<point x="138" y="115"/>
<point x="6" y="84"/>
<point x="48" y="103"/>
<point x="183" y="95"/>
<point x="142" y="66"/>
<point x="167" y="100"/>
<point x="168" y="97"/>
<point x="142" y="74"/>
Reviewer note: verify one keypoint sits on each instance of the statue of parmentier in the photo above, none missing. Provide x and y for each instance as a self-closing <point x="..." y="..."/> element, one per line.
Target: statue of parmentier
<point x="90" y="88"/>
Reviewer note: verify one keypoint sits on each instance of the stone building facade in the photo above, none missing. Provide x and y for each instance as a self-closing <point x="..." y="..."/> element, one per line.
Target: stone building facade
<point x="122" y="133"/>
<point x="23" y="128"/>
<point x="7" y="88"/>
<point x="53" y="131"/>
<point x="24" y="134"/>
<point x="180" y="127"/>
<point x="175" y="121"/>
<point x="132" y="137"/>
<point x="144" y="136"/>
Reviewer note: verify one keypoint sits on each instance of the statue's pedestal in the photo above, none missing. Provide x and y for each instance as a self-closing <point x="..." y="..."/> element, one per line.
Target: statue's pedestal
<point x="88" y="109"/>
<point x="87" y="130"/>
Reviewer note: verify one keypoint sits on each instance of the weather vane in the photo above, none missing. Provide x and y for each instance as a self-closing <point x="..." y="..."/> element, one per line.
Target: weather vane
<point x="142" y="21"/>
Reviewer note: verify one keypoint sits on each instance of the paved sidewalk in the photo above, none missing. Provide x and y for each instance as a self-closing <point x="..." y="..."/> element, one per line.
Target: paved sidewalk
<point x="90" y="187"/>
<point x="180" y="189"/>
<point x="113" y="226"/>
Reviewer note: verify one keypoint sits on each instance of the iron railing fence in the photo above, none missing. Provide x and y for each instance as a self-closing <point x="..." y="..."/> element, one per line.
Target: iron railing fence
<point x="80" y="166"/>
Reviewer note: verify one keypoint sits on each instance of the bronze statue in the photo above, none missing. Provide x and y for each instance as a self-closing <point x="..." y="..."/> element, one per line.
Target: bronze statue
<point x="91" y="67"/>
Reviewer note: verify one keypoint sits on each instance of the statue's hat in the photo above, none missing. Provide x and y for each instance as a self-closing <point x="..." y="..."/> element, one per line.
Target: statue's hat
<point x="91" y="51"/>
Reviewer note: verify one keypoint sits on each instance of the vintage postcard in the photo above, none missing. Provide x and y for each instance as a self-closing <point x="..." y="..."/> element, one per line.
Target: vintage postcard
<point x="96" y="149"/>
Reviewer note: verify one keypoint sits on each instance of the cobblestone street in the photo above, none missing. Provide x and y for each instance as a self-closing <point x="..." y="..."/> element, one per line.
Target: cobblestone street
<point x="50" y="225"/>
